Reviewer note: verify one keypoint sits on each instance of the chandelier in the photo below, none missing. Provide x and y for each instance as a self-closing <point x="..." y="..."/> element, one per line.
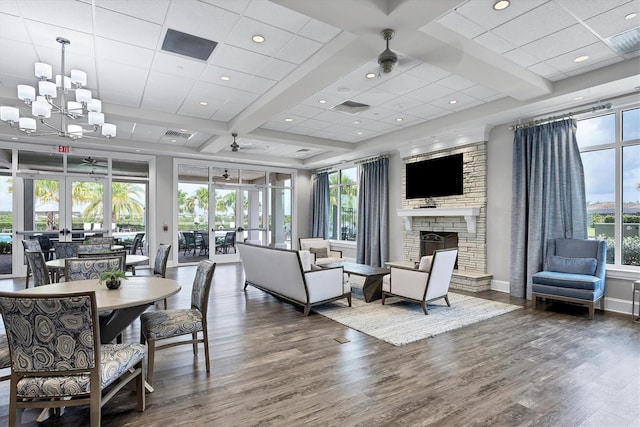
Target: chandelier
<point x="84" y="113"/>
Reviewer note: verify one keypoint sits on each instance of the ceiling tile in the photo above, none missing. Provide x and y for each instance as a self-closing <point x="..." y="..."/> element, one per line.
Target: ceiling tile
<point x="596" y="52"/>
<point x="456" y="82"/>
<point x="547" y="71"/>
<point x="123" y="53"/>
<point x="275" y="69"/>
<point x="61" y="13"/>
<point x="613" y="22"/>
<point x="124" y="28"/>
<point x="401" y="84"/>
<point x="494" y="42"/>
<point x="431" y="92"/>
<point x="44" y="36"/>
<point x="246" y="28"/>
<point x="428" y="72"/>
<point x="22" y="61"/>
<point x="197" y="18"/>
<point x="522" y="57"/>
<point x="138" y="9"/>
<point x="315" y="124"/>
<point x="458" y="23"/>
<point x="12" y="28"/>
<point x="319" y="31"/>
<point x="277" y="15"/>
<point x="482" y="12"/>
<point x="535" y="24"/>
<point x="587" y="9"/>
<point x="480" y="92"/>
<point x="234" y="58"/>
<point x="559" y="43"/>
<point x="297" y="50"/>
<point x="236" y="6"/>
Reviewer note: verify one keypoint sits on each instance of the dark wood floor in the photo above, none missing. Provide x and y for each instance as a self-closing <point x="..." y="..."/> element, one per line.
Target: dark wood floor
<point x="271" y="366"/>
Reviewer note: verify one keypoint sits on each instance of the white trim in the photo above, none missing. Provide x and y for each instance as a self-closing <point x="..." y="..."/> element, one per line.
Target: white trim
<point x="500" y="286"/>
<point x="617" y="305"/>
<point x="622" y="274"/>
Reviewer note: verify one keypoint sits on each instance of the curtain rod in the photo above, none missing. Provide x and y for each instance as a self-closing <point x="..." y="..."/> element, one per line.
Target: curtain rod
<point x="593" y="109"/>
<point x="355" y="162"/>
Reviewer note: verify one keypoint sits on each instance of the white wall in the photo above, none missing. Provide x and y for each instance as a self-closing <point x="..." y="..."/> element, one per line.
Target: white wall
<point x="499" y="152"/>
<point x="395" y="203"/>
<point x="303" y="206"/>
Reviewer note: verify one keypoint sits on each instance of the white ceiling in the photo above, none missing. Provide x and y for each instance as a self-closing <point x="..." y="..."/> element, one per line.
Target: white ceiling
<point x="499" y="66"/>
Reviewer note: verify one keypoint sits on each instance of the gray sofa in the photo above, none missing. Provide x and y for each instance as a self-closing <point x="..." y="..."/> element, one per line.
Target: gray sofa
<point x="280" y="272"/>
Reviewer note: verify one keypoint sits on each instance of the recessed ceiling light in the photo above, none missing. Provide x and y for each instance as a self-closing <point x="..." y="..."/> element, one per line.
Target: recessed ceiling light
<point x="631" y="15"/>
<point x="173" y="140"/>
<point x="356" y="122"/>
<point x="399" y="119"/>
<point x="204" y="103"/>
<point x="577" y="98"/>
<point x="501" y="4"/>
<point x="137" y="151"/>
<point x="322" y="101"/>
<point x="225" y="78"/>
<point x="371" y="75"/>
<point x="453" y="101"/>
<point x="288" y="119"/>
<point x="581" y="58"/>
<point x="258" y="38"/>
<point x="358" y="133"/>
<point x="15" y="138"/>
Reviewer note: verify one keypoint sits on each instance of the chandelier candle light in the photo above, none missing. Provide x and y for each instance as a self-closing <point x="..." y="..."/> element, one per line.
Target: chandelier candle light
<point x="43" y="105"/>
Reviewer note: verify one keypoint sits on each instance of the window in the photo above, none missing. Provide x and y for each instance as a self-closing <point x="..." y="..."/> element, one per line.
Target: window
<point x="610" y="150"/>
<point x="343" y="204"/>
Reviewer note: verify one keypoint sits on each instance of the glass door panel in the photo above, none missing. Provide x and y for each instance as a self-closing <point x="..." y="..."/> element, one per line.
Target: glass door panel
<point x="193" y="221"/>
<point x="253" y="216"/>
<point x="225" y="225"/>
<point x="87" y="209"/>
<point x="280" y="217"/>
<point x="6" y="225"/>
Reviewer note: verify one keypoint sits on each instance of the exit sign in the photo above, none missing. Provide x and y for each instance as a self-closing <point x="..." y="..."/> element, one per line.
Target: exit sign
<point x="64" y="149"/>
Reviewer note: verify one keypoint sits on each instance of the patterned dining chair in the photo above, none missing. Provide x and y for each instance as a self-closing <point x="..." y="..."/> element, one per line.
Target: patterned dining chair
<point x="95" y="240"/>
<point x="30" y="245"/>
<point x="94" y="248"/>
<point x="164" y="324"/>
<point x="38" y="266"/>
<point x="89" y="268"/>
<point x="5" y="359"/>
<point x="66" y="249"/>
<point x="121" y="253"/>
<point x="63" y="364"/>
<point x="160" y="264"/>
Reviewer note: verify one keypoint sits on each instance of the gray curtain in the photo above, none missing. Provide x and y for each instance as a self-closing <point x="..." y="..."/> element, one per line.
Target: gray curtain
<point x="320" y="205"/>
<point x="548" y="197"/>
<point x="373" y="213"/>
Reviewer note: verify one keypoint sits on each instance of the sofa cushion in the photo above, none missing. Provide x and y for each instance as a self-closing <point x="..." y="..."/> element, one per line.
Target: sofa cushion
<point x="319" y="252"/>
<point x="425" y="263"/>
<point x="567" y="280"/>
<point x="562" y="264"/>
<point x="305" y="260"/>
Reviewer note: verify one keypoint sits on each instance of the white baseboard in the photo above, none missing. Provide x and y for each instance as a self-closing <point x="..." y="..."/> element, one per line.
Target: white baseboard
<point x="617" y="305"/>
<point x="500" y="286"/>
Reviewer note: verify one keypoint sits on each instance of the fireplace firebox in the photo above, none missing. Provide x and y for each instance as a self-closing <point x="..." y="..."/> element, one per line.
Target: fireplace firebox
<point x="431" y="241"/>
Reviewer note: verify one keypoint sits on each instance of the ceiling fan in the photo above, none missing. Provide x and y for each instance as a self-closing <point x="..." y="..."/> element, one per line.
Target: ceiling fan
<point x="226" y="175"/>
<point x="234" y="145"/>
<point x="90" y="161"/>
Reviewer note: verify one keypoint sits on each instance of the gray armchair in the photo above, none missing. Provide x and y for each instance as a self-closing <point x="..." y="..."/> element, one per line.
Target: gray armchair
<point x="573" y="271"/>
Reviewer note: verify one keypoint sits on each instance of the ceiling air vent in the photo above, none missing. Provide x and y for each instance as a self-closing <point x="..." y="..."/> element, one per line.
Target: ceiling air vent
<point x="302" y="150"/>
<point x="177" y="134"/>
<point x="351" y="107"/>
<point x="188" y="45"/>
<point x="627" y="42"/>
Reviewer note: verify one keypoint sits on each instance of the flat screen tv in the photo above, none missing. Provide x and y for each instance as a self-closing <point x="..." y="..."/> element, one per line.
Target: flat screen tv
<point x="437" y="177"/>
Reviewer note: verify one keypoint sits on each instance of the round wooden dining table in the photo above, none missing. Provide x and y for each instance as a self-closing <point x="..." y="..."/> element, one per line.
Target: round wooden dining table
<point x="125" y="303"/>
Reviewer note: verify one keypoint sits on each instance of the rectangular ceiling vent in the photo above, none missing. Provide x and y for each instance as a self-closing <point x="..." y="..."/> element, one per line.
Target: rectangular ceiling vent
<point x="302" y="150"/>
<point x="177" y="134"/>
<point x="351" y="107"/>
<point x="627" y="42"/>
<point x="188" y="45"/>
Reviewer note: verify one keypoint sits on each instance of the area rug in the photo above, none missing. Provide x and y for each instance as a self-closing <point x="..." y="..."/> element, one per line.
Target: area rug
<point x="400" y="322"/>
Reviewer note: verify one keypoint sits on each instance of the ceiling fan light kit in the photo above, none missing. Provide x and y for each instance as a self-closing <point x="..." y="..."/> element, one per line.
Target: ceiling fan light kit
<point x="43" y="105"/>
<point x="388" y="58"/>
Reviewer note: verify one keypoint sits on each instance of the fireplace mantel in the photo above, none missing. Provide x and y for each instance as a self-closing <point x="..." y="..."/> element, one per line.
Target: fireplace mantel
<point x="470" y="215"/>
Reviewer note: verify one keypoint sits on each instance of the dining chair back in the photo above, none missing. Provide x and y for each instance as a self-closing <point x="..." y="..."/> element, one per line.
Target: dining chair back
<point x="90" y="268"/>
<point x="229" y="242"/>
<point x="189" y="242"/>
<point x="96" y="240"/>
<point x="66" y="249"/>
<point x="66" y="366"/>
<point x="30" y="245"/>
<point x="94" y="248"/>
<point x="45" y="246"/>
<point x="122" y="253"/>
<point x="5" y="359"/>
<point x="164" y="324"/>
<point x="160" y="264"/>
<point x="38" y="267"/>
<point x="137" y="244"/>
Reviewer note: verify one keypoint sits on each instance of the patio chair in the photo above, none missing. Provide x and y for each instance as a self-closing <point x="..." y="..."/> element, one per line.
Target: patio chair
<point x="229" y="242"/>
<point x="78" y="370"/>
<point x="94" y="248"/>
<point x="95" y="240"/>
<point x="189" y="242"/>
<point x="30" y="245"/>
<point x="165" y="324"/>
<point x="90" y="268"/>
<point x="66" y="249"/>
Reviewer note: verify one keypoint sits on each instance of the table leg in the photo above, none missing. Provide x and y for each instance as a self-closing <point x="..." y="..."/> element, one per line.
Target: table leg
<point x="113" y="325"/>
<point x="372" y="288"/>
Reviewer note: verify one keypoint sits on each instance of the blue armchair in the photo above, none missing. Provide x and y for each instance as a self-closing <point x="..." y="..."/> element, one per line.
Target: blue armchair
<point x="574" y="271"/>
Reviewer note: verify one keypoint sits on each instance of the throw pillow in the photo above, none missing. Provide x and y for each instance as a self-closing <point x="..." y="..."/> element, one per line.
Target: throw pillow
<point x="319" y="252"/>
<point x="425" y="263"/>
<point x="572" y="265"/>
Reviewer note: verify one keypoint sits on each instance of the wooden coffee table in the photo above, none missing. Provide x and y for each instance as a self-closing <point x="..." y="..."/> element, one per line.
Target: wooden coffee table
<point x="372" y="288"/>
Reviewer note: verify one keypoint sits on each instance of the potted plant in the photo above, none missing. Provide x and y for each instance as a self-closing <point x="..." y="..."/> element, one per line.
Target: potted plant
<point x="112" y="278"/>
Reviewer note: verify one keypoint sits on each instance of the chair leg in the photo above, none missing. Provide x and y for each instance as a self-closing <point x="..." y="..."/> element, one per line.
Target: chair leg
<point x="534" y="300"/>
<point x="424" y="307"/>
<point x="140" y="390"/>
<point x="592" y="310"/>
<point x="95" y="409"/>
<point x="151" y="346"/>
<point x="26" y="284"/>
<point x="446" y="298"/>
<point x="15" y="414"/>
<point x="382" y="298"/>
<point x="349" y="299"/>
<point x="194" y="337"/>
<point x="205" y="337"/>
<point x="165" y="303"/>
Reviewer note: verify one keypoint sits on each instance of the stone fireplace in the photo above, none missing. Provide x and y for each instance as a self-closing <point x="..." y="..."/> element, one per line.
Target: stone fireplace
<point x="462" y="216"/>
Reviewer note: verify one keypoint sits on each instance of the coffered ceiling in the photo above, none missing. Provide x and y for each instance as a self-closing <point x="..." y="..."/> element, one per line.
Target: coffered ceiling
<point x="463" y="68"/>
